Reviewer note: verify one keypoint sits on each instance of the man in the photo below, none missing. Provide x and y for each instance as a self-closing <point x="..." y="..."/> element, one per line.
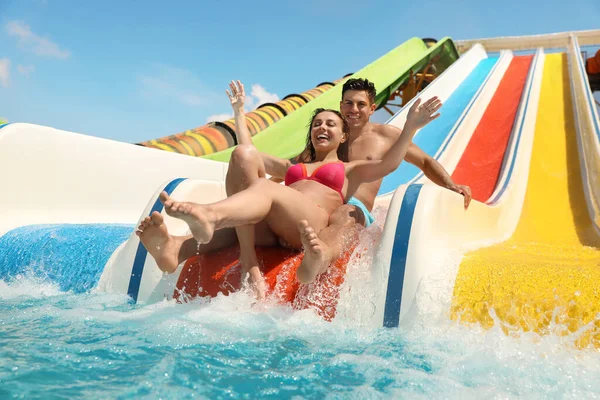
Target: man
<point x="367" y="140"/>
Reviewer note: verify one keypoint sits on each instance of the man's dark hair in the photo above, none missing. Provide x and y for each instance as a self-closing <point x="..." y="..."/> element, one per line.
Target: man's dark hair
<point x="360" y="84"/>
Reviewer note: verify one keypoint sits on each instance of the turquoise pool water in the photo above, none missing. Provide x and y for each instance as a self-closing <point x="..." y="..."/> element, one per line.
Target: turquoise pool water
<point x="60" y="341"/>
<point x="57" y="344"/>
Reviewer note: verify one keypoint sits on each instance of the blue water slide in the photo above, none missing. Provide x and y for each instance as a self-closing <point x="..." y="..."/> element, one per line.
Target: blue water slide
<point x="433" y="136"/>
<point x="70" y="255"/>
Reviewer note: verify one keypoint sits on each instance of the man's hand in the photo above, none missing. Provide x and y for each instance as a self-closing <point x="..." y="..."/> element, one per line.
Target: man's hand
<point x="237" y="95"/>
<point x="465" y="191"/>
<point x="420" y="115"/>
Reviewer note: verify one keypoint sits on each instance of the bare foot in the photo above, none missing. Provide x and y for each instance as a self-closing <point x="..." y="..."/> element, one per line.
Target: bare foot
<point x="316" y="254"/>
<point x="195" y="215"/>
<point x="251" y="276"/>
<point x="155" y="237"/>
<point x="256" y="282"/>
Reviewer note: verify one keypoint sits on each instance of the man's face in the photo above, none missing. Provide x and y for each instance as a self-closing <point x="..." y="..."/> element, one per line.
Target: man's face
<point x="356" y="107"/>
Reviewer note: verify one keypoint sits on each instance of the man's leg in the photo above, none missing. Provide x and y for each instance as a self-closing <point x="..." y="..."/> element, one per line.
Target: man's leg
<point x="169" y="251"/>
<point x="321" y="250"/>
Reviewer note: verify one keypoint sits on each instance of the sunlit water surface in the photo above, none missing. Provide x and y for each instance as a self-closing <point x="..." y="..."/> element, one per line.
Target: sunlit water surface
<point x="75" y="343"/>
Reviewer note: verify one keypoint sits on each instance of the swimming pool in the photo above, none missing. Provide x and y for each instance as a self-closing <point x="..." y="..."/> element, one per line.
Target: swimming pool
<point x="69" y="343"/>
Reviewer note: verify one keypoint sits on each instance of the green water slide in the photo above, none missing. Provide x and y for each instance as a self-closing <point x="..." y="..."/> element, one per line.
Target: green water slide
<point x="287" y="137"/>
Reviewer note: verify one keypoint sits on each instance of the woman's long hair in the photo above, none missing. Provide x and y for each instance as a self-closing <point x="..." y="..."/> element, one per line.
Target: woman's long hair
<point x="309" y="153"/>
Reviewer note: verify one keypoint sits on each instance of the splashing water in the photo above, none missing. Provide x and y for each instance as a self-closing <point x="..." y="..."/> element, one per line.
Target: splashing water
<point x="57" y="343"/>
<point x="99" y="345"/>
<point x="71" y="255"/>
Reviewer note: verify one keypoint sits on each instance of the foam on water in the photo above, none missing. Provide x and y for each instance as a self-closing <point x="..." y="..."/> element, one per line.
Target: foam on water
<point x="63" y="344"/>
<point x="99" y="345"/>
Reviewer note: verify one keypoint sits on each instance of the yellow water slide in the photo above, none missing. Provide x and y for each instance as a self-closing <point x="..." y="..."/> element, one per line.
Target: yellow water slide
<point x="546" y="277"/>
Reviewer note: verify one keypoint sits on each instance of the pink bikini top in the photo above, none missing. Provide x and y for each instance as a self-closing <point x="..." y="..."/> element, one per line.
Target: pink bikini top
<point x="332" y="175"/>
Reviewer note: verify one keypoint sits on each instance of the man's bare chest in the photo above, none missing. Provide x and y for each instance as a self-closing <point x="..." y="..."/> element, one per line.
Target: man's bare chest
<point x="370" y="147"/>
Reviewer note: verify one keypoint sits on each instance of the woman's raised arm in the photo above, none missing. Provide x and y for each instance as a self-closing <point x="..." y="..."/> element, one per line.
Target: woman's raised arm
<point x="274" y="166"/>
<point x="237" y="98"/>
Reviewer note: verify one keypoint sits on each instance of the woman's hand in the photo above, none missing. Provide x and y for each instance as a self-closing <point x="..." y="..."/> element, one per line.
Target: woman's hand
<point x="237" y="95"/>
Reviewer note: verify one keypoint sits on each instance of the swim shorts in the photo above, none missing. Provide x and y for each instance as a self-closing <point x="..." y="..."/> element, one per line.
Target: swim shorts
<point x="369" y="219"/>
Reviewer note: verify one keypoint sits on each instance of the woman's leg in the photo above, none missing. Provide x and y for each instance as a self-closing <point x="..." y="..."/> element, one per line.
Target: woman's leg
<point x="281" y="206"/>
<point x="245" y="167"/>
<point x="169" y="251"/>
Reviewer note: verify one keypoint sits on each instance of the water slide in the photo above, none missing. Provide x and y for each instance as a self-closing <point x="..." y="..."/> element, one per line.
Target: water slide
<point x="473" y="76"/>
<point x="286" y="117"/>
<point x="547" y="272"/>
<point x="83" y="205"/>
<point x="288" y="137"/>
<point x="526" y="254"/>
<point x="466" y="88"/>
<point x="494" y="105"/>
<point x="220" y="135"/>
<point x="106" y="181"/>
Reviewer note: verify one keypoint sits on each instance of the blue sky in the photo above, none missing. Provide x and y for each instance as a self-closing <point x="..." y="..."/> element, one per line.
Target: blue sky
<point x="134" y="71"/>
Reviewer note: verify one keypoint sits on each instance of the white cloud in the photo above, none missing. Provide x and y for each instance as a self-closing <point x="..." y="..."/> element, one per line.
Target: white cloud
<point x="4" y="72"/>
<point x="25" y="69"/>
<point x="218" y="117"/>
<point x="34" y="43"/>
<point x="172" y="83"/>
<point x="258" y="96"/>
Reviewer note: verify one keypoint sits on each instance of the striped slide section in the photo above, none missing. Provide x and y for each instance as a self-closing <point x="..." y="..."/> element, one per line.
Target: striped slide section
<point x="429" y="217"/>
<point x="432" y="136"/>
<point x="218" y="136"/>
<point x="480" y="164"/>
<point x="545" y="278"/>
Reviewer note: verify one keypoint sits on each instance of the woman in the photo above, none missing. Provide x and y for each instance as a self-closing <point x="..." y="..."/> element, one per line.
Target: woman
<point x="312" y="191"/>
